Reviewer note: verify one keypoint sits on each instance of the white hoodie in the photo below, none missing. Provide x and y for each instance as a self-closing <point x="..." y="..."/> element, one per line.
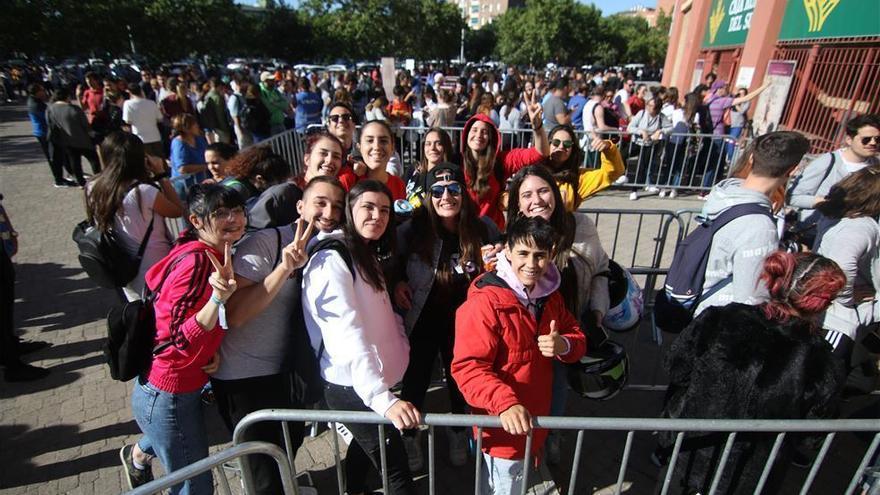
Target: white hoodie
<point x="365" y="344"/>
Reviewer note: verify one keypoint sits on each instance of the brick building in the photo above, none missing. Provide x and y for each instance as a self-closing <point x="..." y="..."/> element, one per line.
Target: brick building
<point x="823" y="57"/>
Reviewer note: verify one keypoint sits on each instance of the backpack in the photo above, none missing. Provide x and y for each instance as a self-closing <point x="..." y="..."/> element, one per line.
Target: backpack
<point x="103" y="257"/>
<point x="131" y="334"/>
<point x="674" y="306"/>
<point x="307" y="385"/>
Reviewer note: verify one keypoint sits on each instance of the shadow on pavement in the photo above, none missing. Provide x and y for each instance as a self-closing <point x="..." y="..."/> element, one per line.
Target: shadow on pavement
<point x="57" y="378"/>
<point x="21" y="445"/>
<point x="49" y="297"/>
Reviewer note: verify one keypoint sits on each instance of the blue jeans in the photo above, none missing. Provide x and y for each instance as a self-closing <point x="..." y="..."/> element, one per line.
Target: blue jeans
<point x="174" y="431"/>
<point x="505" y="477"/>
<point x="714" y="161"/>
<point x="736" y="132"/>
<point x="560" y="389"/>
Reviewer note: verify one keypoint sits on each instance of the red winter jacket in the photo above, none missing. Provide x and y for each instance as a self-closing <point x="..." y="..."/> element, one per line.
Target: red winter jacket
<point x="178" y="369"/>
<point x="507" y="163"/>
<point x="496" y="362"/>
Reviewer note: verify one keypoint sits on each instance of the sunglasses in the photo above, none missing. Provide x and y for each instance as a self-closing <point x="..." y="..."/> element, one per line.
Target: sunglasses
<point x="438" y="189"/>
<point x="867" y="139"/>
<point x="567" y="144"/>
<point x="345" y="117"/>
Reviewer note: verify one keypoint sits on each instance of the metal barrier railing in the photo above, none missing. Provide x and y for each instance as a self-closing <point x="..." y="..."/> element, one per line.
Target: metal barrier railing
<point x="631" y="425"/>
<point x="678" y="161"/>
<point x="217" y="460"/>
<point x="639" y="240"/>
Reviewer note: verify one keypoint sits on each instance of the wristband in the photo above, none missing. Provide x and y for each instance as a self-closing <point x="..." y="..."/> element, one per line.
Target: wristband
<point x="221" y="306"/>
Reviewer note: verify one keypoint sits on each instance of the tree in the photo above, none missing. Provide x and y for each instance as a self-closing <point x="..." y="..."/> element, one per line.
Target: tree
<point x="561" y="31"/>
<point x="481" y="43"/>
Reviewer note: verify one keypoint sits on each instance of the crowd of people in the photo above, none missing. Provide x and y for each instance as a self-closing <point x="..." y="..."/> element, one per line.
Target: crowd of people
<point x="474" y="252"/>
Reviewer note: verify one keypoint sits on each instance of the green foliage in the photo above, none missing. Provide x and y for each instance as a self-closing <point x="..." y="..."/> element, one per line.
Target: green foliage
<point x="480" y="44"/>
<point x="561" y="31"/>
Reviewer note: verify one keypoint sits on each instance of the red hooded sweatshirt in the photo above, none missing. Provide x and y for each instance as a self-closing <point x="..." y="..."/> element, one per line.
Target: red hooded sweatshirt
<point x="178" y="368"/>
<point x="507" y="162"/>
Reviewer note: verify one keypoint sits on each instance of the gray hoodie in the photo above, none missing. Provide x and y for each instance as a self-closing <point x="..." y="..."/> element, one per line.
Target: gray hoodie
<point x="816" y="179"/>
<point x="738" y="248"/>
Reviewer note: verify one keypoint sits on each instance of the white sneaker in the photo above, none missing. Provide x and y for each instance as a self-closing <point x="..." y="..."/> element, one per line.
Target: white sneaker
<point x="662" y="193"/>
<point x="633" y="196"/>
<point x="621" y="180"/>
<point x="458" y="446"/>
<point x="553" y="448"/>
<point x="652" y="189"/>
<point x="414" y="454"/>
<point x="672" y="194"/>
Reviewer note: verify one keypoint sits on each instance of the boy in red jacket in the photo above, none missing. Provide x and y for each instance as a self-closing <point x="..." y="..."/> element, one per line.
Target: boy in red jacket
<point x="507" y="334"/>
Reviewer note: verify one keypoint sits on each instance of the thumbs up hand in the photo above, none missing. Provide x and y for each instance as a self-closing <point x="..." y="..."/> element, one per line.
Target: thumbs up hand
<point x="552" y="344"/>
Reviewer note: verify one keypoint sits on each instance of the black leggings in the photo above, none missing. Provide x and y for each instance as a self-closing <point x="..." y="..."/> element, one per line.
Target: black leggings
<point x="364" y="450"/>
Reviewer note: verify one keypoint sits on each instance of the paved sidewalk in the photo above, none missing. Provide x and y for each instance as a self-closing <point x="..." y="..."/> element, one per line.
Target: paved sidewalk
<point x="62" y="434"/>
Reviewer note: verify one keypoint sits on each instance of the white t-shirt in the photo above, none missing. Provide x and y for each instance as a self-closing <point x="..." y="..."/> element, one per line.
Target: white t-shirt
<point x="143" y="115"/>
<point x="589" y="119"/>
<point x="852" y="167"/>
<point x="132" y="220"/>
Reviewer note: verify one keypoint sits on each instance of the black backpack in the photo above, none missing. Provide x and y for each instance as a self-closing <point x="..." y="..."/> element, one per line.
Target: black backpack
<point x="103" y="257"/>
<point x="307" y="385"/>
<point x="674" y="306"/>
<point x="131" y="332"/>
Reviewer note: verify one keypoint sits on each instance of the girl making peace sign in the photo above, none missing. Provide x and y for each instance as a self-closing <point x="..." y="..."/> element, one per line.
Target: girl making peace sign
<point x="193" y="286"/>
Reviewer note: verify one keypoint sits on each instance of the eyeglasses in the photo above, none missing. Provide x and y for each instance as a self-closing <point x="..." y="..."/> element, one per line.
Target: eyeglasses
<point x="227" y="213"/>
<point x="867" y="139"/>
<point x="345" y="117"/>
<point x="438" y="189"/>
<point x="567" y="144"/>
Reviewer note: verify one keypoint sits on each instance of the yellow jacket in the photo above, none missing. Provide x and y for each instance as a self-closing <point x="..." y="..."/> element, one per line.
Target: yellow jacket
<point x="593" y="180"/>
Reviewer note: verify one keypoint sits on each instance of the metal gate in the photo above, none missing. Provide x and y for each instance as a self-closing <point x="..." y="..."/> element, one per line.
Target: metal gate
<point x="834" y="82"/>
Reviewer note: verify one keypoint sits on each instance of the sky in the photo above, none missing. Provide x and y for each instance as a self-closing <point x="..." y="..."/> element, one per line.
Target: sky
<point x="607" y="6"/>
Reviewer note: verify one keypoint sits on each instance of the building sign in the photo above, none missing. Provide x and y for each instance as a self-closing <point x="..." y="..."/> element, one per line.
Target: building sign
<point x="807" y="19"/>
<point x="771" y="103"/>
<point x="729" y="22"/>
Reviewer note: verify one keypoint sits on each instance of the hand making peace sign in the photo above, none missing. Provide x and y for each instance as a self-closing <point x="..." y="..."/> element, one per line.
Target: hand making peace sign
<point x="294" y="255"/>
<point x="223" y="278"/>
<point x="536" y="113"/>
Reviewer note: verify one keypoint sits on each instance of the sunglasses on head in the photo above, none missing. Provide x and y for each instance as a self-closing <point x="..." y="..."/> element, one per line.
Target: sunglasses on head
<point x="567" y="144"/>
<point x="867" y="139"/>
<point x="345" y="117"/>
<point x="438" y="189"/>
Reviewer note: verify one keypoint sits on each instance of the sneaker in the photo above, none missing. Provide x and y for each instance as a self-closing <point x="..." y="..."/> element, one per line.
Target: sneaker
<point x="652" y="189"/>
<point x="672" y="194"/>
<point x="134" y="476"/>
<point x="24" y="373"/>
<point x="703" y="196"/>
<point x="414" y="453"/>
<point x="458" y="447"/>
<point x="553" y="448"/>
<point x="633" y="196"/>
<point x="623" y="179"/>
<point x="662" y="193"/>
<point x="66" y="183"/>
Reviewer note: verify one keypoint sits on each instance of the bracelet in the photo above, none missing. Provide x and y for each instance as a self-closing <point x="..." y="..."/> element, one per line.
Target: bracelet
<point x="221" y="306"/>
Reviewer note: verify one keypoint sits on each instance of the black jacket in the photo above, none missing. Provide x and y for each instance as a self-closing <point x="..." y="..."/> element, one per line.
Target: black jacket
<point x="733" y="362"/>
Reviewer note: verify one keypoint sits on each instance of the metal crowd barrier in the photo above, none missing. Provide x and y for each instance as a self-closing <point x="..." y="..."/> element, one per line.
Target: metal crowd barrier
<point x="630" y="425"/>
<point x="240" y="450"/>
<point x="678" y="161"/>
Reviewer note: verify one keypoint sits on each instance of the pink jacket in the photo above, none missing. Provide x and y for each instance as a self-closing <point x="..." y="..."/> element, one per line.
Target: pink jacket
<point x="178" y="368"/>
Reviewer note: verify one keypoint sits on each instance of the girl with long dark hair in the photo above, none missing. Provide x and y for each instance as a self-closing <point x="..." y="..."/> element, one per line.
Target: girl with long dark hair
<point x="566" y="159"/>
<point x="361" y="343"/>
<point x="436" y="149"/>
<point x="132" y="196"/>
<point x="487" y="167"/>
<point x="440" y="254"/>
